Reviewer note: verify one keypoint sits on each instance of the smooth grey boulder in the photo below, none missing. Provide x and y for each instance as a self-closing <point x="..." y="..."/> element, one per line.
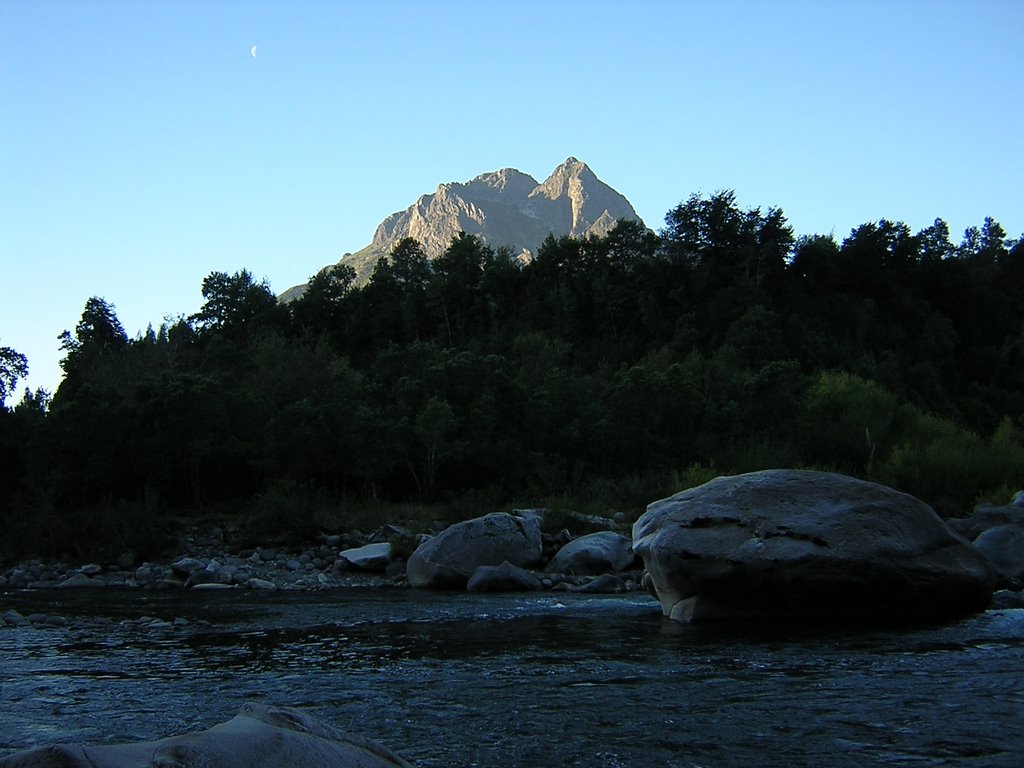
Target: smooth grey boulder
<point x="258" y="737"/>
<point x="1004" y="547"/>
<point x="594" y="554"/>
<point x="806" y="544"/>
<point x="371" y="557"/>
<point x="449" y="559"/>
<point x="503" y="578"/>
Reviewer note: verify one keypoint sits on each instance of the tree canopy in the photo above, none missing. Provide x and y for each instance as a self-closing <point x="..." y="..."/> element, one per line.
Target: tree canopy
<point x="606" y="370"/>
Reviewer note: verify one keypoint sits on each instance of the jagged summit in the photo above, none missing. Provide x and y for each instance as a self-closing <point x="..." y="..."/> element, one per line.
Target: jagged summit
<point x="504" y="208"/>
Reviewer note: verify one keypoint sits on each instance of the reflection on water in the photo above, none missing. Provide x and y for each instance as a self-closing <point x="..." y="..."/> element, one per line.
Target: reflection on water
<point x="471" y="680"/>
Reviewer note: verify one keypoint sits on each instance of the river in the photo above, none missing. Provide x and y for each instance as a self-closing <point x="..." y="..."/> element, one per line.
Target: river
<point x="463" y="680"/>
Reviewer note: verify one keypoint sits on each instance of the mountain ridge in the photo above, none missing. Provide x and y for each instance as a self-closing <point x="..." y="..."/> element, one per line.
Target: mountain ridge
<point x="505" y="208"/>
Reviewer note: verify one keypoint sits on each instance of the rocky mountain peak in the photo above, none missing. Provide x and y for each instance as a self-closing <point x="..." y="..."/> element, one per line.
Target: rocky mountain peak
<point x="505" y="208"/>
<point x="571" y="173"/>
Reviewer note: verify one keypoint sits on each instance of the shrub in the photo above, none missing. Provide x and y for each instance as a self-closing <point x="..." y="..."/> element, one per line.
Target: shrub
<point x="847" y="421"/>
<point x="950" y="467"/>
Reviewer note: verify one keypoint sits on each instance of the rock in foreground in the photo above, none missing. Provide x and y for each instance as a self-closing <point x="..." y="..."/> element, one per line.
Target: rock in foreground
<point x="258" y="737"/>
<point x="806" y="545"/>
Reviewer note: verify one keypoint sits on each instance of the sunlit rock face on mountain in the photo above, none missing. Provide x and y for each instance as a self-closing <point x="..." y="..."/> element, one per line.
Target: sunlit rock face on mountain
<point x="506" y="208"/>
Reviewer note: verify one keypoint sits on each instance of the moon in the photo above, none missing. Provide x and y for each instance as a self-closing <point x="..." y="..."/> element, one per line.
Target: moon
<point x="252" y="51"/>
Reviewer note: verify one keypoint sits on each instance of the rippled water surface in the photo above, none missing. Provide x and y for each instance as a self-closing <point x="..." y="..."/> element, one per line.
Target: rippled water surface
<point x="499" y="682"/>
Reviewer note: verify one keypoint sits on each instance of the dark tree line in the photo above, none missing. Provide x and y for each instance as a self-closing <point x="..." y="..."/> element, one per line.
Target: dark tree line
<point x="609" y="369"/>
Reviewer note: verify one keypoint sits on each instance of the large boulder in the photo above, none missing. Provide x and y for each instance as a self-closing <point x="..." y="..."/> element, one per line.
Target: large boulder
<point x="448" y="560"/>
<point x="806" y="544"/>
<point x="594" y="554"/>
<point x="258" y="737"/>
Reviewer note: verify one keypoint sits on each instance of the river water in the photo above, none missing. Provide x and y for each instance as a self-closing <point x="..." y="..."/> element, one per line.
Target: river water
<point x="527" y="680"/>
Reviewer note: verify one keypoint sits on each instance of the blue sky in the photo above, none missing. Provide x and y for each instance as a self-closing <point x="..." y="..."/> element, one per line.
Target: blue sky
<point x="142" y="146"/>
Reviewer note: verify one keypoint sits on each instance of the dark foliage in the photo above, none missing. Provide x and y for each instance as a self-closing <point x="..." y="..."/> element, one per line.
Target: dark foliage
<point x="606" y="370"/>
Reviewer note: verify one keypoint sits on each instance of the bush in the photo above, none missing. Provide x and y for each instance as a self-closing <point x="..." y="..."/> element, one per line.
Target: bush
<point x="99" y="532"/>
<point x="693" y="475"/>
<point x="950" y="467"/>
<point x="847" y="421"/>
<point x="289" y="512"/>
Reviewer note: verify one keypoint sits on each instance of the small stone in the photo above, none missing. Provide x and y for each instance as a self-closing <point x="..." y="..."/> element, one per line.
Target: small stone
<point x="186" y="566"/>
<point x="293" y="565"/>
<point x="200" y="578"/>
<point x="606" y="584"/>
<point x="80" y="580"/>
<point x="255" y="583"/>
<point x="371" y="557"/>
<point x="91" y="570"/>
<point x="14" y="619"/>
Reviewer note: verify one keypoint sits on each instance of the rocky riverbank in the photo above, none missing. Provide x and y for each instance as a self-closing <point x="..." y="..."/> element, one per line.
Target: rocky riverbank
<point x="516" y="551"/>
<point x="211" y="559"/>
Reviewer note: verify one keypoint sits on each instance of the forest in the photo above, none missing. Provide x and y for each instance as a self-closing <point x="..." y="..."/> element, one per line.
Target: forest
<point x="602" y="375"/>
